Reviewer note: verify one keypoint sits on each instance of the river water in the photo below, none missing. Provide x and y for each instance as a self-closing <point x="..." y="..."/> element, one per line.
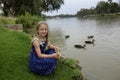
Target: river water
<point x="99" y="61"/>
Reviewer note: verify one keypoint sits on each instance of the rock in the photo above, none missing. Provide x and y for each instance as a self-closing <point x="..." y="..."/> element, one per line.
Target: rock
<point x="18" y="27"/>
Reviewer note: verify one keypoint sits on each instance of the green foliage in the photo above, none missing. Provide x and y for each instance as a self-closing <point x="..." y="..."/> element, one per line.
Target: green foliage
<point x="86" y="12"/>
<point x="114" y="8"/>
<point x="6" y="20"/>
<point x="28" y="21"/>
<point x="102" y="8"/>
<point x="14" y="60"/>
<point x="34" y="7"/>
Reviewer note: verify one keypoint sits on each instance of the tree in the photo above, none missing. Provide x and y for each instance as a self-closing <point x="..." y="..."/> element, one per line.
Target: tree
<point x="83" y="12"/>
<point x="47" y="5"/>
<point x="114" y="7"/>
<point x="110" y="1"/>
<point x="35" y="7"/>
<point x="103" y="7"/>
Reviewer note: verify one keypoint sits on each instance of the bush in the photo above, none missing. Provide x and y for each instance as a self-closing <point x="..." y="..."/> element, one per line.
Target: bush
<point x="26" y="21"/>
<point x="7" y="20"/>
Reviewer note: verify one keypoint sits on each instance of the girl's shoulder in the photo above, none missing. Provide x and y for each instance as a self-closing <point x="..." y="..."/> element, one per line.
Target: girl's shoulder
<point x="35" y="39"/>
<point x="40" y="41"/>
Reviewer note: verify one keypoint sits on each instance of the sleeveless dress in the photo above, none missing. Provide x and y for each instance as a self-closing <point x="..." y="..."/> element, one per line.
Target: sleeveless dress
<point x="42" y="66"/>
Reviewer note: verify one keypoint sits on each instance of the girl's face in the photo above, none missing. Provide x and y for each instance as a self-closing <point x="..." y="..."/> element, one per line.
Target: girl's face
<point x="43" y="30"/>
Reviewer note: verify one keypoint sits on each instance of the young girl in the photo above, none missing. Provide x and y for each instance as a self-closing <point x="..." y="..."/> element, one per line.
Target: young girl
<point x="43" y="61"/>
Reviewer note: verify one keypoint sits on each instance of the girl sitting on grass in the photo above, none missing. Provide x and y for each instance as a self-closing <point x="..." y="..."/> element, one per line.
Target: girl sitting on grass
<point x="43" y="56"/>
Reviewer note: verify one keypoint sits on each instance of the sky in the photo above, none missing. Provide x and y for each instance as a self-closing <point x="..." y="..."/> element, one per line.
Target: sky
<point x="72" y="6"/>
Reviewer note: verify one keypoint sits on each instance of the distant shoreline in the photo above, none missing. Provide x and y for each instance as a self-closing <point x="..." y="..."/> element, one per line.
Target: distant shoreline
<point x="75" y="15"/>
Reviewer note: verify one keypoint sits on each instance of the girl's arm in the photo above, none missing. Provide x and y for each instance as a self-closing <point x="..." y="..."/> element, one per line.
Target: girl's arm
<point x="54" y="47"/>
<point x="38" y="51"/>
<point x="57" y="49"/>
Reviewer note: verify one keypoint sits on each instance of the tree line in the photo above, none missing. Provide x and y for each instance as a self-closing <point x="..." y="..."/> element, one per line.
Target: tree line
<point x="34" y="7"/>
<point x="102" y="8"/>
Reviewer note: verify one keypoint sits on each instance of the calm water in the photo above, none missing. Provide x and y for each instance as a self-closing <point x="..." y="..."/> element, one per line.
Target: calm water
<point x="100" y="61"/>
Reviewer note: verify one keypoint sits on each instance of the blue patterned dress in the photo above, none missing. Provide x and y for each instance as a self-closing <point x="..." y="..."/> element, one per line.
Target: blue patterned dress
<point x="42" y="66"/>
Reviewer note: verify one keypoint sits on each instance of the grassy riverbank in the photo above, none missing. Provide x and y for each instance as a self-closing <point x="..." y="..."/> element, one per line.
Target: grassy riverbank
<point x="14" y="57"/>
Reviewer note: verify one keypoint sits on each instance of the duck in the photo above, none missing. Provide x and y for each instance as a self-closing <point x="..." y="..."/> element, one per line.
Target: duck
<point x="80" y="46"/>
<point x="90" y="41"/>
<point x="89" y="37"/>
<point x="67" y="36"/>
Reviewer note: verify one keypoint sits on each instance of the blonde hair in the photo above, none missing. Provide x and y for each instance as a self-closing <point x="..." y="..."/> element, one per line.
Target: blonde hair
<point x="37" y="28"/>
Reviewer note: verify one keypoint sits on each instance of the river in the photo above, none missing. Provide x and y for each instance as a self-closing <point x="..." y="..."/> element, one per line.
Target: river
<point x="99" y="61"/>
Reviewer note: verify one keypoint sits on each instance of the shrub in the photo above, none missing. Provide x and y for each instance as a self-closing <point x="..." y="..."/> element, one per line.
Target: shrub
<point x="28" y="21"/>
<point x="7" y="20"/>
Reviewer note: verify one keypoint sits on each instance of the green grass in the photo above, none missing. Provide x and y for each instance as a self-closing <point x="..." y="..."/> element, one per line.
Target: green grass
<point x="14" y="59"/>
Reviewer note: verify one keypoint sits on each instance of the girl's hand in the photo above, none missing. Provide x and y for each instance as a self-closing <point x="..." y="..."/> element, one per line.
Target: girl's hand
<point x="57" y="49"/>
<point x="56" y="55"/>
